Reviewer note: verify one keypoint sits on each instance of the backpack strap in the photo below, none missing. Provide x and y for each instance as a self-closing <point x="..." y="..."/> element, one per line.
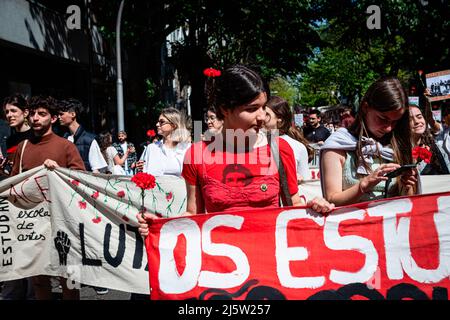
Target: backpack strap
<point x="281" y="171"/>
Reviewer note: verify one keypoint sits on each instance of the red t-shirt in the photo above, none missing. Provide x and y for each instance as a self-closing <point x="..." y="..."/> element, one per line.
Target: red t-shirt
<point x="246" y="180"/>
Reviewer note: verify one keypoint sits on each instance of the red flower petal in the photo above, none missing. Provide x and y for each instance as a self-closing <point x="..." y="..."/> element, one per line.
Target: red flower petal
<point x="11" y="150"/>
<point x="96" y="219"/>
<point x="144" y="180"/>
<point x="211" y="72"/>
<point x="82" y="204"/>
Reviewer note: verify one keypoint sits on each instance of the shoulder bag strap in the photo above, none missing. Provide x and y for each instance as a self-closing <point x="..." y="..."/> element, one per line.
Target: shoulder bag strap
<point x="282" y="173"/>
<point x="21" y="155"/>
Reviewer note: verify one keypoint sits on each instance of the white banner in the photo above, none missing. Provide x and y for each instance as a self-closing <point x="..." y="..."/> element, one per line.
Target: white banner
<point x="83" y="226"/>
<point x="80" y="226"/>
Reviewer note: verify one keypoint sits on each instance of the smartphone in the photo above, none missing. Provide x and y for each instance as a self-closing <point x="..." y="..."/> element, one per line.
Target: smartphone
<point x="400" y="170"/>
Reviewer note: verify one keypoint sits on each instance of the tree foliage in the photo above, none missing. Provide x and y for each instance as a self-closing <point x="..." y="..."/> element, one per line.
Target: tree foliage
<point x="413" y="36"/>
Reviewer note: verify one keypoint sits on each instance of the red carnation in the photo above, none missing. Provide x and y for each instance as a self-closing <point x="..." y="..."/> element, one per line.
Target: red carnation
<point x="169" y="196"/>
<point x="95" y="195"/>
<point x="151" y="133"/>
<point x="144" y="180"/>
<point x="121" y="194"/>
<point x="75" y="182"/>
<point x="211" y="72"/>
<point x="11" y="150"/>
<point x="82" y="204"/>
<point x="421" y="153"/>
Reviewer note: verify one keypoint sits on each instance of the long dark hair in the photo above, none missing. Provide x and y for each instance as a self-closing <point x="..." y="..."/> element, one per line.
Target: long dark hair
<point x="437" y="163"/>
<point x="16" y="100"/>
<point x="281" y="108"/>
<point x="236" y="86"/>
<point x="385" y="95"/>
<point x="104" y="141"/>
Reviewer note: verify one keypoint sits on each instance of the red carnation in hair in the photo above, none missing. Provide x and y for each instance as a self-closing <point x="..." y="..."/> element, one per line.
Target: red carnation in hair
<point x="151" y="133"/>
<point x="211" y="72"/>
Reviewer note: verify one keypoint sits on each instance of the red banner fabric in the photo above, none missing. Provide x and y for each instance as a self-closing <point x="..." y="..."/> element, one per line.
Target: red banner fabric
<point x="392" y="249"/>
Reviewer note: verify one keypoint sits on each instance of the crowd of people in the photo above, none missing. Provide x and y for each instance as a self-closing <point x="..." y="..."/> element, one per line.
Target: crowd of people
<point x="250" y="156"/>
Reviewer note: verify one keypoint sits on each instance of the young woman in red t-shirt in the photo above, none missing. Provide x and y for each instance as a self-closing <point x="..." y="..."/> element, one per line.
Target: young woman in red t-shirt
<point x="237" y="169"/>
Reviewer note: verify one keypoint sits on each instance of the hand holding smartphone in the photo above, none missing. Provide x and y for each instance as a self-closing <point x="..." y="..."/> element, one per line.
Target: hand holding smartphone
<point x="400" y="170"/>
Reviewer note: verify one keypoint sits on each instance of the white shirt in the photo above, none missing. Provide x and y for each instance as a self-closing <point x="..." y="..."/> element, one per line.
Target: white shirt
<point x="96" y="160"/>
<point x="300" y="155"/>
<point x="443" y="139"/>
<point x="160" y="160"/>
<point x="124" y="147"/>
<point x="111" y="152"/>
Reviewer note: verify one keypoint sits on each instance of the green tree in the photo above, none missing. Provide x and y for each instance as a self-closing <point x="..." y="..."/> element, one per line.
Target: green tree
<point x="285" y="88"/>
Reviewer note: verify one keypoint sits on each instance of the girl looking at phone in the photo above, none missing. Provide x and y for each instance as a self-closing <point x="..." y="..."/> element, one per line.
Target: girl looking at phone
<point x="354" y="161"/>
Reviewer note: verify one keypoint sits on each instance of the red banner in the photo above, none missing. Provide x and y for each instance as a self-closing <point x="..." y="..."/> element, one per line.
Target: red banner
<point x="392" y="249"/>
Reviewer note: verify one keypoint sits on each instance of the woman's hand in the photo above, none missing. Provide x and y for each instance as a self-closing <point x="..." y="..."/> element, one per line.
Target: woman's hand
<point x="409" y="179"/>
<point x="368" y="183"/>
<point x="144" y="221"/>
<point x="320" y="205"/>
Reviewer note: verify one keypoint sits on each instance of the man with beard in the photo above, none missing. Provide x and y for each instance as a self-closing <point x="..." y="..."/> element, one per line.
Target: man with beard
<point x="316" y="132"/>
<point x="45" y="147"/>
<point x="121" y="147"/>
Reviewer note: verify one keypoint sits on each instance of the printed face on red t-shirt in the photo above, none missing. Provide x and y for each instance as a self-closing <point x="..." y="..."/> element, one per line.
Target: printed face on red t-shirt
<point x="236" y="175"/>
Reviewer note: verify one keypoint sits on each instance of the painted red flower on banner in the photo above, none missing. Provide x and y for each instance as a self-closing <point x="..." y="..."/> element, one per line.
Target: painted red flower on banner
<point x="96" y="220"/>
<point x="95" y="195"/>
<point x="151" y="133"/>
<point x="169" y="196"/>
<point x="75" y="182"/>
<point x="211" y="72"/>
<point x="144" y="180"/>
<point x="121" y="194"/>
<point x="82" y="204"/>
<point x="421" y="153"/>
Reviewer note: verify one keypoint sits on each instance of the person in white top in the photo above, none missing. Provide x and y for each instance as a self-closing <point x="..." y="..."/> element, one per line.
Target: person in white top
<point x="279" y="116"/>
<point x="166" y="156"/>
<point x="70" y="110"/>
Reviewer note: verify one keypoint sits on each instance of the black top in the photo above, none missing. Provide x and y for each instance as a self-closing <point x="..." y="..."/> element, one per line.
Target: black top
<point x="17" y="137"/>
<point x="317" y="134"/>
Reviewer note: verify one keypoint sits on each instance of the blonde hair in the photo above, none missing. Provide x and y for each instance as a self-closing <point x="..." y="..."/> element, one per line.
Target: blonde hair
<point x="180" y="120"/>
